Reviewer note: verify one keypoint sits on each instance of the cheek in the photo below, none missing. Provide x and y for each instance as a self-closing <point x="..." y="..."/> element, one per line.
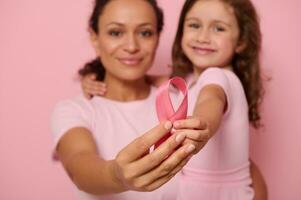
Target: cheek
<point x="228" y="44"/>
<point x="149" y="47"/>
<point x="107" y="47"/>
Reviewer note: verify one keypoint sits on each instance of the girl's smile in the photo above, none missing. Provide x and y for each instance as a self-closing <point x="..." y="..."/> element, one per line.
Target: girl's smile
<point x="211" y="34"/>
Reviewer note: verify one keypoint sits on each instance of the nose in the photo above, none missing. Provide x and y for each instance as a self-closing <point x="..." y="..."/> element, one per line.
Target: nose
<point x="132" y="44"/>
<point x="204" y="36"/>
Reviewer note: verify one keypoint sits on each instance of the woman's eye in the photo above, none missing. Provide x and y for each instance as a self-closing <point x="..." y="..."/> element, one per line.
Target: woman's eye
<point x="147" y="33"/>
<point x="115" y="33"/>
<point x="194" y="25"/>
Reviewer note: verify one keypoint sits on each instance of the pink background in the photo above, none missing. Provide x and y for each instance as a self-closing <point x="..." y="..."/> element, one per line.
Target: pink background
<point x="43" y="43"/>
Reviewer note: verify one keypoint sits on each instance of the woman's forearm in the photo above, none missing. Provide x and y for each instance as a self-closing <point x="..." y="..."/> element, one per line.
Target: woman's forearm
<point x="93" y="175"/>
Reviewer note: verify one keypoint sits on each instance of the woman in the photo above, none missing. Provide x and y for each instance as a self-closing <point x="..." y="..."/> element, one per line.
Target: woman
<point x="101" y="142"/>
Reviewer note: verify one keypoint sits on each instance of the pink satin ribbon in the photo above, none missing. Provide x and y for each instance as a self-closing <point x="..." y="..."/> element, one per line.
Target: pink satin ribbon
<point x="165" y="110"/>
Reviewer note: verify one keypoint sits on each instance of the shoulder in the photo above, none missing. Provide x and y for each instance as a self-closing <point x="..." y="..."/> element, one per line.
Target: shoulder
<point x="213" y="75"/>
<point x="75" y="103"/>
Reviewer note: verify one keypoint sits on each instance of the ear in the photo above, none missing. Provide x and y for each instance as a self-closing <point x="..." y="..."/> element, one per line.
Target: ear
<point x="94" y="41"/>
<point x="240" y="47"/>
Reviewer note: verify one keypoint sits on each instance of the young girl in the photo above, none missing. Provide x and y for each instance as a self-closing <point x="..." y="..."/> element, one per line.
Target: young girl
<point x="217" y="50"/>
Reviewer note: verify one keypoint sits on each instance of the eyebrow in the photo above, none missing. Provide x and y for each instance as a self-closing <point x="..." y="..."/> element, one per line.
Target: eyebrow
<point x="215" y="21"/>
<point x="121" y="24"/>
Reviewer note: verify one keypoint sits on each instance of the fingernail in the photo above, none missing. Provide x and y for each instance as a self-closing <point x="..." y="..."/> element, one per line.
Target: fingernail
<point x="180" y="138"/>
<point x="190" y="148"/>
<point x="168" y="125"/>
<point x="173" y="130"/>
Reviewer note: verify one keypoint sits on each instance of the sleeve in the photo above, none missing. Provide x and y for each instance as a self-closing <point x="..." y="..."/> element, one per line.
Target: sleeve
<point x="216" y="76"/>
<point x="66" y="115"/>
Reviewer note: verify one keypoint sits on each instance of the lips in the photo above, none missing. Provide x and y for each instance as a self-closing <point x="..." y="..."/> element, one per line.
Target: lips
<point x="203" y="51"/>
<point x="130" y="61"/>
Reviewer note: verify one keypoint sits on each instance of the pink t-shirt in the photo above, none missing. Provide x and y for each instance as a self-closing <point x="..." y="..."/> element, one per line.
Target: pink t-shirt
<point x="220" y="171"/>
<point x="114" y="125"/>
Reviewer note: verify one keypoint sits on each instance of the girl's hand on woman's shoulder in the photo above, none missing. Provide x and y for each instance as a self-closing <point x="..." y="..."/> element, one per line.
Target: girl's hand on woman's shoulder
<point x="195" y="130"/>
<point x="92" y="87"/>
<point x="137" y="169"/>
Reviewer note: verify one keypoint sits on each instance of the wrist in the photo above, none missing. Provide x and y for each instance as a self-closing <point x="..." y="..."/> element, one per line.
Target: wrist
<point x="119" y="186"/>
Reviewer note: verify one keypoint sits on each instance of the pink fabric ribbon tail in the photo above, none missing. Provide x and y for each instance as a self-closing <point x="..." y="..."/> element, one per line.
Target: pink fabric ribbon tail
<point x="165" y="110"/>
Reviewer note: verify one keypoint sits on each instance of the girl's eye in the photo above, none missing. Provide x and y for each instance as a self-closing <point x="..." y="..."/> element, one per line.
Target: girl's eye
<point x="194" y="25"/>
<point x="115" y="33"/>
<point x="146" y="33"/>
<point x="218" y="29"/>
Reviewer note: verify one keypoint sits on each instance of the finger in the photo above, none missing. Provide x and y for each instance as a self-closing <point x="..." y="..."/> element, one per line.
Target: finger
<point x="87" y="95"/>
<point x="91" y="76"/>
<point x="169" y="167"/>
<point x="92" y="89"/>
<point x="97" y="85"/>
<point x="96" y="91"/>
<point x="156" y="157"/>
<point x="139" y="146"/>
<point x="197" y="135"/>
<point x="94" y="83"/>
<point x="198" y="145"/>
<point x="174" y="159"/>
<point x="161" y="181"/>
<point x="190" y="123"/>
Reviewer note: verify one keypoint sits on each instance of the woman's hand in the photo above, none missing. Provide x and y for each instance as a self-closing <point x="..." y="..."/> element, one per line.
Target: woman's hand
<point x="195" y="130"/>
<point x="91" y="87"/>
<point x="141" y="171"/>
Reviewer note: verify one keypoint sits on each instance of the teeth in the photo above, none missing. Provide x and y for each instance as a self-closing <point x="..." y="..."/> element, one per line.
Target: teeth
<point x="130" y="61"/>
<point x="203" y="51"/>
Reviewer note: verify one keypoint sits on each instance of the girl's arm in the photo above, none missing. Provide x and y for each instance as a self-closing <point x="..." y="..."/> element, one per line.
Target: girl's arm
<point x="132" y="168"/>
<point x="210" y="107"/>
<point x="91" y="87"/>
<point x="207" y="115"/>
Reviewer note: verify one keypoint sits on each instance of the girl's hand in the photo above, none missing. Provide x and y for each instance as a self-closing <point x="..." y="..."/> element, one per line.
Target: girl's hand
<point x="195" y="130"/>
<point x="91" y="87"/>
<point x="138" y="170"/>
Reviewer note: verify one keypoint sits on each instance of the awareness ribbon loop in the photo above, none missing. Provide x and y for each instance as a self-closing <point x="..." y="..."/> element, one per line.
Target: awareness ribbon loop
<point x="164" y="107"/>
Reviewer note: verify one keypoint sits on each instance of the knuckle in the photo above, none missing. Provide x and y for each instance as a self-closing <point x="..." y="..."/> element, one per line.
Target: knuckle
<point x="171" y="144"/>
<point x="120" y="158"/>
<point x="142" y="184"/>
<point x="199" y="123"/>
<point x="199" y="135"/>
<point x="128" y="175"/>
<point x="154" y="159"/>
<point x="149" y="188"/>
<point x="142" y="143"/>
<point x="166" y="169"/>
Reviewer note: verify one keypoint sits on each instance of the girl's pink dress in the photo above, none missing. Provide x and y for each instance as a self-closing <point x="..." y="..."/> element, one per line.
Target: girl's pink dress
<point x="220" y="171"/>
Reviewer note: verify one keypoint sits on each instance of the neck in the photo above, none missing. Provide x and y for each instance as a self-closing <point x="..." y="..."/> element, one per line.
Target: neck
<point x="124" y="90"/>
